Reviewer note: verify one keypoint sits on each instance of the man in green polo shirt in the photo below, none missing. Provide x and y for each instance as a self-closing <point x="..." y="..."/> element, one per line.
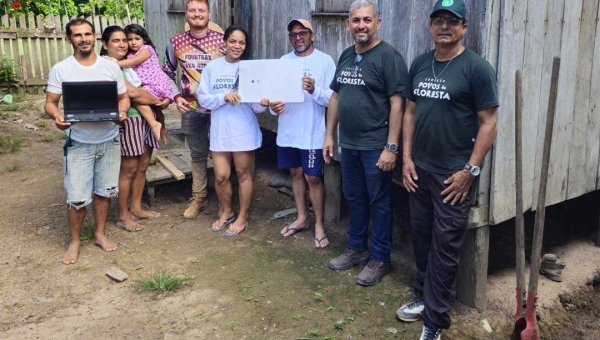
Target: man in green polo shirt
<point x="449" y="126"/>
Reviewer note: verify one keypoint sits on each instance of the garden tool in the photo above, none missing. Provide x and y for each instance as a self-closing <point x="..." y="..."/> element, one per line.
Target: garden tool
<point x="520" y="322"/>
<point x="531" y="331"/>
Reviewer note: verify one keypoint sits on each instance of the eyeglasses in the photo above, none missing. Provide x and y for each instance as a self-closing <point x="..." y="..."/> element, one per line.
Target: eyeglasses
<point x="451" y="21"/>
<point x="302" y="34"/>
<point x="357" y="61"/>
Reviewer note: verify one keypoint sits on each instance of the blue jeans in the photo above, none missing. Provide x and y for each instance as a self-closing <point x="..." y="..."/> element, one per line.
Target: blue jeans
<point x="368" y="190"/>
<point x="91" y="168"/>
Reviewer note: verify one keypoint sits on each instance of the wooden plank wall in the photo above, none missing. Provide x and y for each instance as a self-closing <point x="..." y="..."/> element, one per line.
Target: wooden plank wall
<point x="532" y="32"/>
<point x="163" y="23"/>
<point x="404" y="25"/>
<point x="36" y="43"/>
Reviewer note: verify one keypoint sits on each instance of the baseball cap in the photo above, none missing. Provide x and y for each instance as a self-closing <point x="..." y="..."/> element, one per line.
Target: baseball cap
<point x="456" y="7"/>
<point x="304" y="23"/>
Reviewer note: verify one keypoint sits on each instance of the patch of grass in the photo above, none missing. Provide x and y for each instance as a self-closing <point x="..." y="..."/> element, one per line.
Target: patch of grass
<point x="318" y="296"/>
<point x="63" y="135"/>
<point x="10" y="107"/>
<point x="12" y="167"/>
<point x="314" y="333"/>
<point x="41" y="123"/>
<point x="162" y="280"/>
<point x="48" y="139"/>
<point x="9" y="144"/>
<point x="87" y="233"/>
<point x="339" y="325"/>
<point x="332" y="309"/>
<point x="4" y="115"/>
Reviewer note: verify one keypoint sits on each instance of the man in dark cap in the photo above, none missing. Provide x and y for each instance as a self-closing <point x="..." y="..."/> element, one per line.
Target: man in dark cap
<point x="450" y="124"/>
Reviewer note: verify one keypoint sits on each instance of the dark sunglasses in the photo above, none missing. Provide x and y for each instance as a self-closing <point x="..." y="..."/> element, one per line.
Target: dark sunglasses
<point x="302" y="34"/>
<point x="357" y="61"/>
<point x="452" y="21"/>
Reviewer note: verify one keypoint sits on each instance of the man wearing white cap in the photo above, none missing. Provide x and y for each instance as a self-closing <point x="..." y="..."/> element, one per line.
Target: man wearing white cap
<point x="301" y="130"/>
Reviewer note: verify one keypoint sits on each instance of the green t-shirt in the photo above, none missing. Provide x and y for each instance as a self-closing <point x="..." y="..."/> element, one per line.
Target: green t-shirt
<point x="364" y="89"/>
<point x="133" y="112"/>
<point x="447" y="105"/>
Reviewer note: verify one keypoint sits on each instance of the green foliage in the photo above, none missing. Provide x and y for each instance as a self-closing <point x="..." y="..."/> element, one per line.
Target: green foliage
<point x="8" y="72"/>
<point x="41" y="123"/>
<point x="121" y="9"/>
<point x="9" y="144"/>
<point x="162" y="280"/>
<point x="87" y="232"/>
<point x="12" y="167"/>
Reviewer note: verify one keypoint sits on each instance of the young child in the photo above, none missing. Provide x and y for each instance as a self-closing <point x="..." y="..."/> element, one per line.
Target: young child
<point x="144" y="61"/>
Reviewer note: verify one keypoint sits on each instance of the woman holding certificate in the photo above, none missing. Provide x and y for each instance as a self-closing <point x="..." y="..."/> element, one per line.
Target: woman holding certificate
<point x="234" y="130"/>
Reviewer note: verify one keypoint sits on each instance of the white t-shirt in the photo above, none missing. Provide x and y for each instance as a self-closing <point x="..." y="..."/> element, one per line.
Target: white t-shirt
<point x="232" y="128"/>
<point x="302" y="125"/>
<point x="102" y="70"/>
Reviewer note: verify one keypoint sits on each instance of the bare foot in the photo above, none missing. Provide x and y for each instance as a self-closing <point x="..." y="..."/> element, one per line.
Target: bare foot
<point x="145" y="214"/>
<point x="103" y="242"/>
<point x="297" y="226"/>
<point x="72" y="253"/>
<point x="156" y="127"/>
<point x="321" y="240"/>
<point x="238" y="226"/>
<point x="163" y="135"/>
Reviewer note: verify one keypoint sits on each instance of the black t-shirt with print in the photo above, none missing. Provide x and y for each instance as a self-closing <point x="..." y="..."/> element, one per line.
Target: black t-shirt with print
<point x="365" y="87"/>
<point x="447" y="105"/>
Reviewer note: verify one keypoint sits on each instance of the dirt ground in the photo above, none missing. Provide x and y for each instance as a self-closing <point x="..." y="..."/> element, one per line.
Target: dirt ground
<point x="254" y="286"/>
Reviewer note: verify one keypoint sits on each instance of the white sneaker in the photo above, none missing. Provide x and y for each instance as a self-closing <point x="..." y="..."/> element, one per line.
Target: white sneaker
<point x="431" y="334"/>
<point x="412" y="311"/>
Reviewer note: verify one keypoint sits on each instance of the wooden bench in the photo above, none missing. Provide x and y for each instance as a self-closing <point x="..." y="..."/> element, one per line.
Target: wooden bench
<point x="159" y="173"/>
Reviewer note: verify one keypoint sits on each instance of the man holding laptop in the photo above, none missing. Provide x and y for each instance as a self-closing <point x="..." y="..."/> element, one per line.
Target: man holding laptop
<point x="92" y="154"/>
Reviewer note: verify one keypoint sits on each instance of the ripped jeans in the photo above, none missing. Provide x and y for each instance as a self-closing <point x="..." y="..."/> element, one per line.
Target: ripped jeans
<point x="91" y="168"/>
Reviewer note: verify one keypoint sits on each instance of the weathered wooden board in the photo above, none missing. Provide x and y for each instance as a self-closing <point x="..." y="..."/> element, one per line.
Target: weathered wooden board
<point x="512" y="43"/>
<point x="169" y="166"/>
<point x="594" y="124"/>
<point x="492" y="43"/>
<point x="532" y="75"/>
<point x="552" y="48"/>
<point x="580" y="154"/>
<point x="559" y="157"/>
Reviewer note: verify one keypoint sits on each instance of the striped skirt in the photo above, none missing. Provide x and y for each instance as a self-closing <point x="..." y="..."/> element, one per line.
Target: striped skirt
<point x="134" y="134"/>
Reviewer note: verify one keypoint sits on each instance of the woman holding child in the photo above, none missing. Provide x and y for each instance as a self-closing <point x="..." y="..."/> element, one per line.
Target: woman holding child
<point x="137" y="138"/>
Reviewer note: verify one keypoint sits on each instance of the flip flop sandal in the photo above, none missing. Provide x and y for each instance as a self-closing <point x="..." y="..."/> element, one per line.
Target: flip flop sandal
<point x="127" y="228"/>
<point x="321" y="240"/>
<point x="222" y="224"/>
<point x="295" y="231"/>
<point x="235" y="233"/>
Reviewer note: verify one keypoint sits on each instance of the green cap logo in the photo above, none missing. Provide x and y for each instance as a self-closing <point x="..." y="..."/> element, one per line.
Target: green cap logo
<point x="447" y="3"/>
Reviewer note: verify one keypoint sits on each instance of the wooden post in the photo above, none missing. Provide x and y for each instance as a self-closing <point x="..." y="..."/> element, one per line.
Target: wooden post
<point x="472" y="269"/>
<point x="333" y="192"/>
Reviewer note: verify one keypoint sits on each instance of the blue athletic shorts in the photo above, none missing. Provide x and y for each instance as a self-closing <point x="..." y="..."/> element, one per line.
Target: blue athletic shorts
<point x="310" y="160"/>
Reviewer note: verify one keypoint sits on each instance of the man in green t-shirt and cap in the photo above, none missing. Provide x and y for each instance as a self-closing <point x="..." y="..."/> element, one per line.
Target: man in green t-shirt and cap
<point x="450" y="124"/>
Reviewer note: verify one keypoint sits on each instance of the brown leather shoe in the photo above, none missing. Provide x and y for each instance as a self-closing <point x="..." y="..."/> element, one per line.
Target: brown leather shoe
<point x="349" y="259"/>
<point x="373" y="273"/>
<point x="196" y="206"/>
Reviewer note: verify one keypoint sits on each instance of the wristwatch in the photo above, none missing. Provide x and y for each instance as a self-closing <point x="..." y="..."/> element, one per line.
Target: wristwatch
<point x="393" y="148"/>
<point x="473" y="170"/>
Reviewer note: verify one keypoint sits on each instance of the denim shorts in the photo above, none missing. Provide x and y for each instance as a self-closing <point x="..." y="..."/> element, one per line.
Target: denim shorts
<point x="91" y="168"/>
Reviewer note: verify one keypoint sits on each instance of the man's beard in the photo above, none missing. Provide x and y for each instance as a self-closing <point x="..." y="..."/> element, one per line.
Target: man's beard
<point x="305" y="49"/>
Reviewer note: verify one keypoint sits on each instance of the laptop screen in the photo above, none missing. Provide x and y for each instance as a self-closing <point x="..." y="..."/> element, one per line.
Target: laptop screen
<point x="90" y="96"/>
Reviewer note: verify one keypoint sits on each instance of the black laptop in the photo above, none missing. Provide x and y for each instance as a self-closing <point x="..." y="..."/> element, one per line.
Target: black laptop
<point x="90" y="101"/>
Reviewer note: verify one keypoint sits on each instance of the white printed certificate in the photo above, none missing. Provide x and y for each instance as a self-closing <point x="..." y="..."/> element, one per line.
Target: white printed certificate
<point x="274" y="79"/>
